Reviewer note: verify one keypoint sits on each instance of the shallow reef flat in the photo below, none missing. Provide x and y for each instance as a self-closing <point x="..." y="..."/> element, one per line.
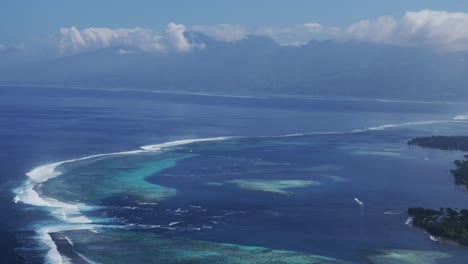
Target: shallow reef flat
<point x="320" y="168"/>
<point x="273" y="186"/>
<point x="400" y="256"/>
<point x="335" y="178"/>
<point x="119" y="246"/>
<point x="92" y="180"/>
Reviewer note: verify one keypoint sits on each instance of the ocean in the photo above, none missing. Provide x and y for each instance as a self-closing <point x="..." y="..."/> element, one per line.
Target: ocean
<point x="118" y="176"/>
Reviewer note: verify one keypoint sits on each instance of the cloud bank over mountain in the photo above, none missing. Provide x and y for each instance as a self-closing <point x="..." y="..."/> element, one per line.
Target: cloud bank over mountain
<point x="421" y="55"/>
<point x="436" y="29"/>
<point x="439" y="30"/>
<point x="73" y="40"/>
<point x="292" y="35"/>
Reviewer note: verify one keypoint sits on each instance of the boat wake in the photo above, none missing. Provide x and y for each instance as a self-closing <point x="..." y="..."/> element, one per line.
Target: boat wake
<point x="359" y="202"/>
<point x="70" y="214"/>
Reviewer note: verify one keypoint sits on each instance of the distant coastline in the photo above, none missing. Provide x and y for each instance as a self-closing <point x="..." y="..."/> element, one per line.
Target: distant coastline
<point x="445" y="223"/>
<point x="455" y="143"/>
<point x="442" y="142"/>
<point x="250" y="95"/>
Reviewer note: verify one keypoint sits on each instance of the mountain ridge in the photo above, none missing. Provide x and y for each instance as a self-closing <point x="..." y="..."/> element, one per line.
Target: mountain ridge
<point x="259" y="65"/>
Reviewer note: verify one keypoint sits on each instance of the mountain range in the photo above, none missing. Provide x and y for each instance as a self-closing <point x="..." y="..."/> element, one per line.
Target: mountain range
<point x="257" y="66"/>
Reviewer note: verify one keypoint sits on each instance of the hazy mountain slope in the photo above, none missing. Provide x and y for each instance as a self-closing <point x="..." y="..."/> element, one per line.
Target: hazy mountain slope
<point x="258" y="65"/>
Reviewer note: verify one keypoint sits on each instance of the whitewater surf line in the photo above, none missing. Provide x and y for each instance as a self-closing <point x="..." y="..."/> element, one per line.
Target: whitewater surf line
<point x="71" y="213"/>
<point x="367" y="129"/>
<point x="27" y="194"/>
<point x="67" y="212"/>
<point x="43" y="173"/>
<point x="383" y="127"/>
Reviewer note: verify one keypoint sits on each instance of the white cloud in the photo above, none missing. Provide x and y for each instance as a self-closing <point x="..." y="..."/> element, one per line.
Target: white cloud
<point x="313" y="27"/>
<point x="224" y="32"/>
<point x="381" y="30"/>
<point x="303" y="33"/>
<point x="427" y="28"/>
<point x="72" y="40"/>
<point x="176" y="36"/>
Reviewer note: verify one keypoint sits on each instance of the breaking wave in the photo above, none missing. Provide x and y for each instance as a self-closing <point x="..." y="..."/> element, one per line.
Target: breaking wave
<point x="461" y="117"/>
<point x="71" y="213"/>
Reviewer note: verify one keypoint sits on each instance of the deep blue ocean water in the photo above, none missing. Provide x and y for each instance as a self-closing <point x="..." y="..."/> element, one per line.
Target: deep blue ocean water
<point x="364" y="156"/>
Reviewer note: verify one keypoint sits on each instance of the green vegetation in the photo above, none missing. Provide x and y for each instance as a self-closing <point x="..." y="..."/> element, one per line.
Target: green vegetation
<point x="449" y="143"/>
<point x="446" y="223"/>
<point x="461" y="172"/>
<point x="442" y="142"/>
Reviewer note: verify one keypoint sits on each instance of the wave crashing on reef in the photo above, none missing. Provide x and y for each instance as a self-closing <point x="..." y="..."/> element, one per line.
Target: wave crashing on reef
<point x="70" y="213"/>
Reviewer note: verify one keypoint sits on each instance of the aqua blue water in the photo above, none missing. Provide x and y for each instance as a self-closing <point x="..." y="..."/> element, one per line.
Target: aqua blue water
<point x="263" y="189"/>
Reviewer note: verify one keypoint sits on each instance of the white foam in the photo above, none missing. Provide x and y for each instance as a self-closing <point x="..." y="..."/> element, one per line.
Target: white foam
<point x="359" y="201"/>
<point x="210" y="94"/>
<point x="28" y="195"/>
<point x="53" y="255"/>
<point x="409" y="221"/>
<point x="159" y="147"/>
<point x="146" y="203"/>
<point x="49" y="171"/>
<point x="294" y="135"/>
<point x="366" y="129"/>
<point x="86" y="259"/>
<point x="69" y="241"/>
<point x="461" y="117"/>
<point x="417" y="101"/>
<point x="79" y="220"/>
<point x="71" y="213"/>
<point x="315" y="133"/>
<point x="383" y="127"/>
<point x="67" y="212"/>
<point x="395" y="212"/>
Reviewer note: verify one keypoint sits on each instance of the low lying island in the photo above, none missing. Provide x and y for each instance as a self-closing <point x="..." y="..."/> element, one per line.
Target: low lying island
<point x="445" y="223"/>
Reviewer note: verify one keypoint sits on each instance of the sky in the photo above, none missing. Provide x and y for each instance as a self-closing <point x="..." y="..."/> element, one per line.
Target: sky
<point x="22" y="20"/>
<point x="159" y="25"/>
